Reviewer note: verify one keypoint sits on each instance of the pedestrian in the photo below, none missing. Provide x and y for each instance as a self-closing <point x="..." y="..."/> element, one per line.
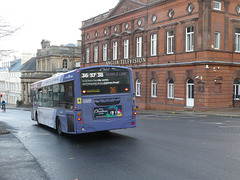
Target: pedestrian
<point x="3" y="105"/>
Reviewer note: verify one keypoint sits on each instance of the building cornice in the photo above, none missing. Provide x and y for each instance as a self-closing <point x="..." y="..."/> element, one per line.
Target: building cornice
<point x="187" y="64"/>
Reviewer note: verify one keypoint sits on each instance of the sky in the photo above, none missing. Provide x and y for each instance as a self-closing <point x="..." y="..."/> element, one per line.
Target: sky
<point x="55" y="20"/>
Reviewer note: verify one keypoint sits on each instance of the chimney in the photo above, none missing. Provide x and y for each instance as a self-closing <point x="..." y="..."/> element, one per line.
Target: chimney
<point x="45" y="43"/>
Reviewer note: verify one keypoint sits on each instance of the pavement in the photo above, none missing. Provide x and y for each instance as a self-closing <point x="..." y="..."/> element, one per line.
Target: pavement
<point x="16" y="162"/>
<point x="227" y="112"/>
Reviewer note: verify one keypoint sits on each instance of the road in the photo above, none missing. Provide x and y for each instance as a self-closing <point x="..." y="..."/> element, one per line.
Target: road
<point x="163" y="146"/>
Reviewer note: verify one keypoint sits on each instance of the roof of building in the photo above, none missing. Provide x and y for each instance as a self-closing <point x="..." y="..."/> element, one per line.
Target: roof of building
<point x="29" y="65"/>
<point x="69" y="45"/>
<point x="15" y="65"/>
<point x="2" y="68"/>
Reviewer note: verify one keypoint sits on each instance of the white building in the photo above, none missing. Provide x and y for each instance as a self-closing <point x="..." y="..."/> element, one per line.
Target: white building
<point x="10" y="82"/>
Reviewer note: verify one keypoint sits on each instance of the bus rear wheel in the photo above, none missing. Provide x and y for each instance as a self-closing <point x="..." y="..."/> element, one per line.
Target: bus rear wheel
<point x="59" y="128"/>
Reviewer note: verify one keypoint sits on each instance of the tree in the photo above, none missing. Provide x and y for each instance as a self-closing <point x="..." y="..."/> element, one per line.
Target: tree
<point x="6" y="30"/>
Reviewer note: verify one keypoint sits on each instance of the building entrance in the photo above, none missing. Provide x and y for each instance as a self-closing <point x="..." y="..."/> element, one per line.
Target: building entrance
<point x="190" y="93"/>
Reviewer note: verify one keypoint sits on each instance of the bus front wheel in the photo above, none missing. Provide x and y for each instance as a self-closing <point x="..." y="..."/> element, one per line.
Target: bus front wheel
<point x="59" y="128"/>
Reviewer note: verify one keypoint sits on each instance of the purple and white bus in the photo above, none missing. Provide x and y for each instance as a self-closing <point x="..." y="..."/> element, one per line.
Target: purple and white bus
<point x="84" y="100"/>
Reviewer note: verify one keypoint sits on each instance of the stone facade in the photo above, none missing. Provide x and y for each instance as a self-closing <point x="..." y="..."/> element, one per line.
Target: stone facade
<point x="49" y="60"/>
<point x="184" y="54"/>
<point x="29" y="77"/>
<point x="57" y="58"/>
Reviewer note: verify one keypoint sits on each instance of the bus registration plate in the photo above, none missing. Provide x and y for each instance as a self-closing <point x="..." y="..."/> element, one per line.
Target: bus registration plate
<point x="109" y="111"/>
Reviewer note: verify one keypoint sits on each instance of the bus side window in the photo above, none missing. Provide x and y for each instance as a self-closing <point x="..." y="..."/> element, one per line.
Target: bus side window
<point x="39" y="97"/>
<point x="50" y="96"/>
<point x="34" y="95"/>
<point x="61" y="96"/>
<point x="56" y="95"/>
<point x="69" y="95"/>
<point x="45" y="96"/>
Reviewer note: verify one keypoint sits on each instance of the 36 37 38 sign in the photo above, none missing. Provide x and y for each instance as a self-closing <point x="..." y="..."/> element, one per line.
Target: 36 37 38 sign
<point x="109" y="111"/>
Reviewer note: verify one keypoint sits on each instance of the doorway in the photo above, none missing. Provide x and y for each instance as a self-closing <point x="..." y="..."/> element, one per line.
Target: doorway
<point x="190" y="93"/>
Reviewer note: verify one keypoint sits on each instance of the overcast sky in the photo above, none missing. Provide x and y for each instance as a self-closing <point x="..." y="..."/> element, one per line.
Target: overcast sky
<point x="55" y="20"/>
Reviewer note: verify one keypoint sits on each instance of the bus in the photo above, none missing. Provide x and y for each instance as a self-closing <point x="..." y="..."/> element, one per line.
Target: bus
<point x="90" y="99"/>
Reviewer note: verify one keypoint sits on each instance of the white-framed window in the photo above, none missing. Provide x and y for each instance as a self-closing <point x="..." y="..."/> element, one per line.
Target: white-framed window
<point x="153" y="88"/>
<point x="126" y="48"/>
<point x="138" y="87"/>
<point x="87" y="54"/>
<point x="65" y="64"/>
<point x="236" y="90"/>
<point x="95" y="53"/>
<point x="153" y="44"/>
<point x="189" y="39"/>
<point x="115" y="50"/>
<point x="217" y="39"/>
<point x="170" y="89"/>
<point x="139" y="47"/>
<point x="170" y="38"/>
<point x="237" y="40"/>
<point x="104" y="52"/>
<point x="217" y="5"/>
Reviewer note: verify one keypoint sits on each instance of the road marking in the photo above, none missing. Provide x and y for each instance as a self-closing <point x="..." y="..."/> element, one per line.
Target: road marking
<point x="229" y="126"/>
<point x="216" y="123"/>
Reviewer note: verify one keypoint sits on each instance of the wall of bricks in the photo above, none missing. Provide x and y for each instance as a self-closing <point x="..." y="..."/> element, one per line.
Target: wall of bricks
<point x="213" y="71"/>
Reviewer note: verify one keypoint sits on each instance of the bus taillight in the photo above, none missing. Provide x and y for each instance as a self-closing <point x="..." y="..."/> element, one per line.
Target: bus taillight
<point x="79" y="118"/>
<point x="126" y="89"/>
<point x="132" y="123"/>
<point x="134" y="112"/>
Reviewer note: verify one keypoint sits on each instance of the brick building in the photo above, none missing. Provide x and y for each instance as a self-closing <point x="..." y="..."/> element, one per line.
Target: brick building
<point x="184" y="54"/>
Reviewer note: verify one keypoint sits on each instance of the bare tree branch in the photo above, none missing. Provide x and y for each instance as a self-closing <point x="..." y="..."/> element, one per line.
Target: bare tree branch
<point x="6" y="30"/>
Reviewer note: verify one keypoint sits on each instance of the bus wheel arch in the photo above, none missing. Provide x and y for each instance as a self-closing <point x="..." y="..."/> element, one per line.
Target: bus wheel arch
<point x="58" y="126"/>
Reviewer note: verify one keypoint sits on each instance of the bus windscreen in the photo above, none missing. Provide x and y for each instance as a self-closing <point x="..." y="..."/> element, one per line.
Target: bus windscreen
<point x="109" y="80"/>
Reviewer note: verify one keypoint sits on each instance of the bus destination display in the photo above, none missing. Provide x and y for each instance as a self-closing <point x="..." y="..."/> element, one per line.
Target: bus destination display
<point x="104" y="82"/>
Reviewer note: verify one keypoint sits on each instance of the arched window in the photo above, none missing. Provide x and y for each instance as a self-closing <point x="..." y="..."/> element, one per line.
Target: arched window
<point x="236" y="89"/>
<point x="153" y="88"/>
<point x="65" y="64"/>
<point x="138" y="87"/>
<point x="170" y="88"/>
